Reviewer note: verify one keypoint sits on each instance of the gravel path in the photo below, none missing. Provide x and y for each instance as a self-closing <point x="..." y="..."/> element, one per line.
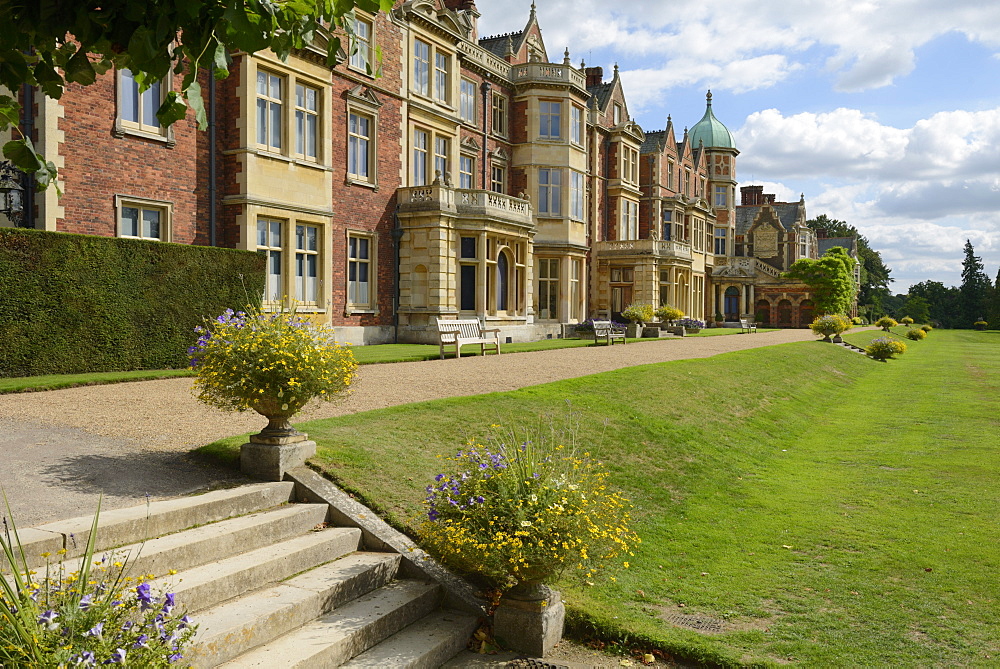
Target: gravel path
<point x="63" y="448"/>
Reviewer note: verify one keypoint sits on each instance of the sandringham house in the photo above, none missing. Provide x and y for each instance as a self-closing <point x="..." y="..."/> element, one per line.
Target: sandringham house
<point x="433" y="173"/>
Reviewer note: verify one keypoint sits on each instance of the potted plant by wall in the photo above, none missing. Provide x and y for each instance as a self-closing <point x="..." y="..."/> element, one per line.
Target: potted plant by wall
<point x="719" y="319"/>
<point x="274" y="364"/>
<point x="830" y="324"/>
<point x="668" y="314"/>
<point x="691" y="325"/>
<point x="515" y="512"/>
<point x="637" y="314"/>
<point x="886" y="323"/>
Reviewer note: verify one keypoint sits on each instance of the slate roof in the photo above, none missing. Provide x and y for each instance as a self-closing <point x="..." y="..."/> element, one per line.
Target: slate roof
<point x="849" y="243"/>
<point x="601" y="93"/>
<point x="788" y="215"/>
<point x="497" y="45"/>
<point x="655" y="142"/>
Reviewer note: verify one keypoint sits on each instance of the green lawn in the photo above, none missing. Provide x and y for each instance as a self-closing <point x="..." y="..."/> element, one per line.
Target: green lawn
<point x="365" y="355"/>
<point x="829" y="509"/>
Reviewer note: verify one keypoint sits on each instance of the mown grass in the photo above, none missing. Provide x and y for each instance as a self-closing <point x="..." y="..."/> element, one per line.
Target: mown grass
<point x="831" y="510"/>
<point x="365" y="355"/>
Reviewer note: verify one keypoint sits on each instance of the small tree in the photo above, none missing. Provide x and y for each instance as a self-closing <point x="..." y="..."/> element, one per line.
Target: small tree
<point x="906" y="320"/>
<point x="830" y="280"/>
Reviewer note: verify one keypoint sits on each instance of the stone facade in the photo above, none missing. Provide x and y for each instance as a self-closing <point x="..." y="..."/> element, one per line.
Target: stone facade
<point x="453" y="176"/>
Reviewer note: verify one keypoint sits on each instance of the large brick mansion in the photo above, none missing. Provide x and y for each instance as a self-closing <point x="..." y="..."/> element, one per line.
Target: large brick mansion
<point x="456" y="176"/>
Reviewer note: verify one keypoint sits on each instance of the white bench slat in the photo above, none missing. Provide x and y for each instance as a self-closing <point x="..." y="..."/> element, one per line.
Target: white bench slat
<point x="459" y="332"/>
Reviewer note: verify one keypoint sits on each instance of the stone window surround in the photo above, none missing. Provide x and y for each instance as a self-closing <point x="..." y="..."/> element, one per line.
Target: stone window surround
<point x="166" y="208"/>
<point x="122" y="128"/>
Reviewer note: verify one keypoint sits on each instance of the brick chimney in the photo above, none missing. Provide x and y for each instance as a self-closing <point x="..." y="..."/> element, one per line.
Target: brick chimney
<point x="769" y="198"/>
<point x="752" y="196"/>
<point x="595" y="76"/>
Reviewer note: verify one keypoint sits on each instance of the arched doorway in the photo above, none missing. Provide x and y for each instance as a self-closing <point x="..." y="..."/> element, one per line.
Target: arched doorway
<point x="762" y="313"/>
<point x="503" y="281"/>
<point x="732" y="303"/>
<point x="784" y="314"/>
<point x="806" y="313"/>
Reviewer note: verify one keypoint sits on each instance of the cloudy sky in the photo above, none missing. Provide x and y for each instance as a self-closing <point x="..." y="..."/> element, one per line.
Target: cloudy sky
<point x="884" y="113"/>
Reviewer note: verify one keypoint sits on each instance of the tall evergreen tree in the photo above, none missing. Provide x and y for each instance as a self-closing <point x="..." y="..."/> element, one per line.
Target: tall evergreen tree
<point x="943" y="301"/>
<point x="975" y="289"/>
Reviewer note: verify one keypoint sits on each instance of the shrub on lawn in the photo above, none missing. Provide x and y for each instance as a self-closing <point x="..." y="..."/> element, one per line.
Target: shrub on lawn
<point x="916" y="334"/>
<point x="830" y="324"/>
<point x="883" y="348"/>
<point x="886" y="323"/>
<point x="906" y="320"/>
<point x="857" y="320"/>
<point x="926" y="328"/>
<point x="523" y="512"/>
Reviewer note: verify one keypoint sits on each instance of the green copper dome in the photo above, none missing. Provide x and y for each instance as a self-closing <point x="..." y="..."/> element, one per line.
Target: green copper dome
<point x="710" y="131"/>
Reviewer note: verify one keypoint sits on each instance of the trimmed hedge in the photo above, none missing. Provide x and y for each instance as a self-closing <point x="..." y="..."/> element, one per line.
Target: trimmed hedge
<point x="75" y="303"/>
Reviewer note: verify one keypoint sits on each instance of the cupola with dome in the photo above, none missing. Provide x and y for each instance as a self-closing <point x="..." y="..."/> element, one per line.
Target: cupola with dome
<point x="710" y="132"/>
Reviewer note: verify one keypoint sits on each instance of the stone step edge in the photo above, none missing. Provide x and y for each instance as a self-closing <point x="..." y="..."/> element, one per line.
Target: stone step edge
<point x="415" y="647"/>
<point x="121" y="527"/>
<point x="239" y="625"/>
<point x="348" y="630"/>
<point x="377" y="535"/>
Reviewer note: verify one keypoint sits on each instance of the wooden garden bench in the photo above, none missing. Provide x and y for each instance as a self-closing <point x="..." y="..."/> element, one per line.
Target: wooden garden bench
<point x="457" y="333"/>
<point x="747" y="326"/>
<point x="609" y="332"/>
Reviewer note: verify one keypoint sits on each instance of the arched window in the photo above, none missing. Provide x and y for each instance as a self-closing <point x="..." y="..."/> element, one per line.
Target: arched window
<point x="732" y="303"/>
<point x="503" y="280"/>
<point x="763" y="312"/>
<point x="785" y="313"/>
<point x="806" y="313"/>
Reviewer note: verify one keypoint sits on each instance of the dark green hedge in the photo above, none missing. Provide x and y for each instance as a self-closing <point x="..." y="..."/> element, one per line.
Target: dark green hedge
<point x="75" y="303"/>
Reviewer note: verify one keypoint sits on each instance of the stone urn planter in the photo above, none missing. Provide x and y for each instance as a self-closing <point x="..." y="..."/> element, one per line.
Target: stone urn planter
<point x="530" y="619"/>
<point x="837" y="339"/>
<point x="278" y="447"/>
<point x="633" y="330"/>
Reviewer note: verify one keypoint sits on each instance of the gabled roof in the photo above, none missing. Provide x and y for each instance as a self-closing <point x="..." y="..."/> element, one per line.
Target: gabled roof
<point x="655" y="142"/>
<point x="849" y="243"/>
<point x="498" y="45"/>
<point x="787" y="212"/>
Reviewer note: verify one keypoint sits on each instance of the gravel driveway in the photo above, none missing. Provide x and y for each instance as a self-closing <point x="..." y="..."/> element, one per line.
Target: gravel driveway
<point x="63" y="448"/>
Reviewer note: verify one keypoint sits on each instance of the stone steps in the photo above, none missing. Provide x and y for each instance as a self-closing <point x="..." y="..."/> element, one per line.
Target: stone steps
<point x="270" y="584"/>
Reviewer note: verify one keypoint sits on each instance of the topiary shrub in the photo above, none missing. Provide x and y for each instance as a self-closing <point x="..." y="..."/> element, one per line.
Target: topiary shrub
<point x="916" y="334"/>
<point x="886" y="322"/>
<point x="980" y="325"/>
<point x="883" y="348"/>
<point x="926" y="328"/>
<point x="857" y="320"/>
<point x="906" y="320"/>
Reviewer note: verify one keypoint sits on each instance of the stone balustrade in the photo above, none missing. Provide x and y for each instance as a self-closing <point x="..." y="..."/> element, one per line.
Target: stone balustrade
<point x="658" y="247"/>
<point x="466" y="202"/>
<point x="548" y="72"/>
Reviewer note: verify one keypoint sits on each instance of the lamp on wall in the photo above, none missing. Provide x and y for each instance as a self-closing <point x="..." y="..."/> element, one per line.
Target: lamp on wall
<point x="11" y="192"/>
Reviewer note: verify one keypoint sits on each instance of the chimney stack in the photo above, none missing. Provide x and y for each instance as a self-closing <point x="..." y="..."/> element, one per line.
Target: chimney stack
<point x="595" y="76"/>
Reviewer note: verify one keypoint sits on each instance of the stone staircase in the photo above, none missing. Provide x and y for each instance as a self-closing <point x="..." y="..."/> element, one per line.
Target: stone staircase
<point x="285" y="574"/>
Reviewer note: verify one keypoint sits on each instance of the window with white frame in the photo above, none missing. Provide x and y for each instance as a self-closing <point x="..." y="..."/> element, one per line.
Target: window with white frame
<point x="722" y="196"/>
<point x="269" y="244"/>
<point x="670" y="175"/>
<point x="441" y="157"/>
<point x="360" y="160"/>
<point x="467" y="101"/>
<point x="550" y="191"/>
<point x="575" y="279"/>
<point x="576" y="125"/>
<point x="361" y="46"/>
<point x="499" y="114"/>
<point x="421" y="67"/>
<point x="269" y="110"/>
<point x="698" y="243"/>
<point x="576" y="193"/>
<point x="630" y="220"/>
<point x="306" y="121"/>
<point x="548" y="289"/>
<point x="360" y="291"/>
<point x="307" y="264"/>
<point x="441" y="62"/>
<point x="421" y="140"/>
<point x="466" y="168"/>
<point x="630" y="165"/>
<point x="498" y="179"/>
<point x="143" y="219"/>
<point x="617" y="114"/>
<point x="549" y="119"/>
<point x="687" y="182"/>
<point x="720" y="241"/>
<point x="137" y="108"/>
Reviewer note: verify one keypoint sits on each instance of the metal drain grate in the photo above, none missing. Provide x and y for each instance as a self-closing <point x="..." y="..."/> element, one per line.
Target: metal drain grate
<point x="695" y="622"/>
<point x="531" y="663"/>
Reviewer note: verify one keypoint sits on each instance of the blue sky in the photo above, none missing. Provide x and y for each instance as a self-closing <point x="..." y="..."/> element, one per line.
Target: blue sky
<point x="884" y="113"/>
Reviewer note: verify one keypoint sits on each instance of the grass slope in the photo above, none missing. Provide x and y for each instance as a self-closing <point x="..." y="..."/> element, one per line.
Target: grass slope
<point x="831" y="510"/>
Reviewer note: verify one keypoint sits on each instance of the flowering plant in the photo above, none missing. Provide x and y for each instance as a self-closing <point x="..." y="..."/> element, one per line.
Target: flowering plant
<point x="523" y="512"/>
<point x="883" y="348"/>
<point x="886" y="322"/>
<point x="916" y="334"/>
<point x="830" y="324"/>
<point x="639" y="313"/>
<point x="665" y="312"/>
<point x="691" y="323"/>
<point x="926" y="328"/>
<point x="857" y="320"/>
<point x="274" y="363"/>
<point x="97" y="614"/>
<point x="906" y="320"/>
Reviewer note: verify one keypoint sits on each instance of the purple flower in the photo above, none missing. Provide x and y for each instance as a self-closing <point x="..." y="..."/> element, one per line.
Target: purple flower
<point x="48" y="618"/>
<point x="85" y="602"/>
<point x="168" y="603"/>
<point x="142" y="590"/>
<point x="480" y="499"/>
<point x="173" y="658"/>
<point x="86" y="659"/>
<point x="128" y="625"/>
<point x="141" y="642"/>
<point x="95" y="631"/>
<point x="118" y="657"/>
<point x="185" y="621"/>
